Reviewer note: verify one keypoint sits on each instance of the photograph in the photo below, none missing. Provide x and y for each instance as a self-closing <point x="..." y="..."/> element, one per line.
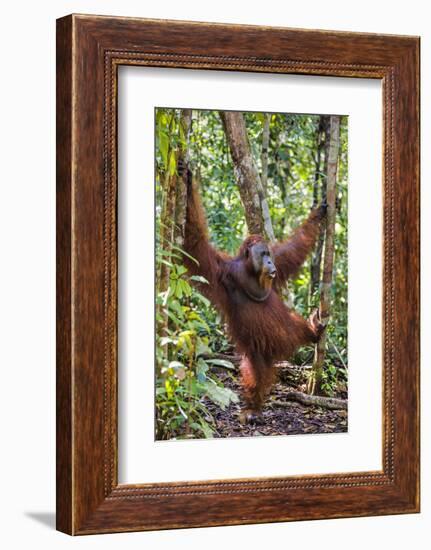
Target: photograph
<point x="251" y="281"/>
<point x="237" y="289"/>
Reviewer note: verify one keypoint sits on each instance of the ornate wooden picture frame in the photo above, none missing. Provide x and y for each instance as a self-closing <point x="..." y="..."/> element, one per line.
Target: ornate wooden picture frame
<point x="89" y="51"/>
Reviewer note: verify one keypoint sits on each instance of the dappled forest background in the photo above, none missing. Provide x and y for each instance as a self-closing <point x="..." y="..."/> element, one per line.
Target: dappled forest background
<point x="196" y="376"/>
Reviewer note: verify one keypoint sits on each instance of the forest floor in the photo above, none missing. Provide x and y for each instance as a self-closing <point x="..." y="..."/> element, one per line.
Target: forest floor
<point x="280" y="416"/>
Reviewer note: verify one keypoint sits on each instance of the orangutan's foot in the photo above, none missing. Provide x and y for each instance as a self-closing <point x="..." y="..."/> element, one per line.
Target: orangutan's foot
<point x="249" y="416"/>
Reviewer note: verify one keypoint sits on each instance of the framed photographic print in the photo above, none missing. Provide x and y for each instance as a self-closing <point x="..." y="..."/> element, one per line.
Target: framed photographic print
<point x="237" y="274"/>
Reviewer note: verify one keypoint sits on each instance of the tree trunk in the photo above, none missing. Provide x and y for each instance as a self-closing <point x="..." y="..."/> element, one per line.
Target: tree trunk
<point x="315" y="381"/>
<point x="174" y="194"/>
<point x="167" y="226"/>
<point x="282" y="170"/>
<point x="181" y="191"/>
<point x="265" y="150"/>
<point x="321" y="168"/>
<point x="168" y="208"/>
<point x="250" y="186"/>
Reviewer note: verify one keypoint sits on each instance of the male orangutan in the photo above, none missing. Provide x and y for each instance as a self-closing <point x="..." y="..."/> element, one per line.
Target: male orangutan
<point x="246" y="290"/>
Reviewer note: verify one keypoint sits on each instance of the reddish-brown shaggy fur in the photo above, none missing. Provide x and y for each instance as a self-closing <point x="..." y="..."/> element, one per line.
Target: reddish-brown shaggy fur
<point x="264" y="330"/>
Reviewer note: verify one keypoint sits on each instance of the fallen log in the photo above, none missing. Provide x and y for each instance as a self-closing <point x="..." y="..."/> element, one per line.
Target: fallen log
<point x="332" y="403"/>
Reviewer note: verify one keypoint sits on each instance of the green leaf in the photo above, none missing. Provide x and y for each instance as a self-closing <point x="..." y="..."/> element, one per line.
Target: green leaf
<point x="183" y="140"/>
<point x="175" y="365"/>
<point x="201" y="370"/>
<point x="175" y="247"/>
<point x="161" y="261"/>
<point x="186" y="288"/>
<point x="202" y="299"/>
<point x="164" y="147"/>
<point x="202" y="348"/>
<point x="221" y="363"/>
<point x="206" y="429"/>
<point x="172" y="163"/>
<point x="221" y="396"/>
<point x="178" y="290"/>
<point x="178" y="308"/>
<point x="162" y="252"/>
<point x="181" y="270"/>
<point x="173" y="317"/>
<point x="164" y="340"/>
<point x="199" y="279"/>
